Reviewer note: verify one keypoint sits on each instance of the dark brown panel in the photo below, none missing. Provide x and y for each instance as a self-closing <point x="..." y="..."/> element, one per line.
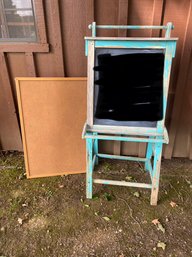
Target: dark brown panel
<point x="30" y="64"/>
<point x="106" y="13"/>
<point x="89" y="15"/>
<point x="10" y="138"/>
<point x="73" y="22"/>
<point x="182" y="73"/>
<point x="123" y="16"/>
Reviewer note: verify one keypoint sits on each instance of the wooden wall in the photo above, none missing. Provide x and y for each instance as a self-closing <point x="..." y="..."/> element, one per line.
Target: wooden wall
<point x="66" y="25"/>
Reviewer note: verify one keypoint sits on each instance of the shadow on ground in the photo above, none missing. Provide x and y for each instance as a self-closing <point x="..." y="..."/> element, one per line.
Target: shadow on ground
<point x="51" y="217"/>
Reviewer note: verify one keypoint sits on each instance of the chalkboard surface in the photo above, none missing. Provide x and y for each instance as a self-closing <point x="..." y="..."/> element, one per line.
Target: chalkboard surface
<point x="129" y="85"/>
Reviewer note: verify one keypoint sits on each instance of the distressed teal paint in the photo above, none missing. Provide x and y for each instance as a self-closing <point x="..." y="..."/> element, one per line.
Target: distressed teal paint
<point x="122" y="183"/>
<point x="169" y="27"/>
<point x="154" y="44"/>
<point x="86" y="47"/>
<point x="125" y="139"/>
<point x="157" y="158"/>
<point x="148" y="155"/>
<point x="89" y="173"/>
<point x="126" y="158"/>
<point x="154" y="137"/>
<point x="134" y="43"/>
<point x="96" y="148"/>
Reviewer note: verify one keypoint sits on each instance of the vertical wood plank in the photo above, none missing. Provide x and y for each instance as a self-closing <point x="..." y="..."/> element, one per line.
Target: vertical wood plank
<point x="29" y="58"/>
<point x="10" y="137"/>
<point x="157" y="15"/>
<point x="181" y="83"/>
<point x="123" y="16"/>
<point x="40" y="20"/>
<point x="57" y="44"/>
<point x="89" y="15"/>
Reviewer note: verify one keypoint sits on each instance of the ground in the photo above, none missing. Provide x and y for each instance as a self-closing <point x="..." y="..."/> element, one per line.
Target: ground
<point x="51" y="216"/>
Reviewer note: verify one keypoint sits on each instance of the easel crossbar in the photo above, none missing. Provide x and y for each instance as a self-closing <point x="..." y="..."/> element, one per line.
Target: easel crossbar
<point x="121" y="183"/>
<point x="122" y="157"/>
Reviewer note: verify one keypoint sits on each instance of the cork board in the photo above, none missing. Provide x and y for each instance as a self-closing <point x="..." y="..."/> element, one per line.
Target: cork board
<point x="52" y="114"/>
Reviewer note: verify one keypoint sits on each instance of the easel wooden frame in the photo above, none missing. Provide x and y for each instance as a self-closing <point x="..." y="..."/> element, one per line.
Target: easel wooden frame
<point x="154" y="137"/>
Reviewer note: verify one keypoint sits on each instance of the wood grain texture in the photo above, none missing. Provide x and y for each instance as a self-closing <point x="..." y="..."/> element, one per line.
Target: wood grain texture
<point x="57" y="43"/>
<point x="106" y="14"/>
<point x="40" y="21"/>
<point x="74" y="18"/>
<point x="73" y="24"/>
<point x="123" y="16"/>
<point x="30" y="64"/>
<point x="9" y="128"/>
<point x="52" y="113"/>
<point x="89" y="15"/>
<point x="157" y="15"/>
<point x="181" y="83"/>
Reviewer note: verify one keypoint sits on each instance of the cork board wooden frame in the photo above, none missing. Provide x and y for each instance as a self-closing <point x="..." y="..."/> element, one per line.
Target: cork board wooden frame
<point x="52" y="114"/>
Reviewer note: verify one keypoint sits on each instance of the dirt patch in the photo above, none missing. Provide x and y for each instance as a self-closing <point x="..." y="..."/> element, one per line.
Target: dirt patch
<point x="37" y="223"/>
<point x="103" y="242"/>
<point x="51" y="216"/>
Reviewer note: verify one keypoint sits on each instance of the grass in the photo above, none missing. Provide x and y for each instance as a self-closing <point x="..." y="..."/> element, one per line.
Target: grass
<point x="52" y="217"/>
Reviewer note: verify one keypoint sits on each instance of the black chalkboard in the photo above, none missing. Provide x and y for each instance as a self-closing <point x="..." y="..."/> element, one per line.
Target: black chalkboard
<point x="129" y="85"/>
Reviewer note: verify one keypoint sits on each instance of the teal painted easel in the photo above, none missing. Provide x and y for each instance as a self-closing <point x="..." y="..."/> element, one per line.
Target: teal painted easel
<point x="155" y="137"/>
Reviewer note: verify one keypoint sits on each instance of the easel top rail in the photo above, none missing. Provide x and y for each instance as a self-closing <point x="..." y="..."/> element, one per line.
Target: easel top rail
<point x="167" y="27"/>
<point x="132" y="38"/>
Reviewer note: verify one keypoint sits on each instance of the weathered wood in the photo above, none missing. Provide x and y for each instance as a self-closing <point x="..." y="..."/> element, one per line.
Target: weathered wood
<point x="89" y="15"/>
<point x="123" y="16"/>
<point x="133" y="39"/>
<point x="24" y="47"/>
<point x="156" y="173"/>
<point x="57" y="44"/>
<point x="40" y="21"/>
<point x="157" y="15"/>
<point x="10" y="138"/>
<point x="181" y="84"/>
<point x="30" y="64"/>
<point x="90" y="83"/>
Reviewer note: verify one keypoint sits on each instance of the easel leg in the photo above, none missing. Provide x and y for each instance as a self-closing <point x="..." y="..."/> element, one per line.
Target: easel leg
<point x="148" y="155"/>
<point x="89" y="173"/>
<point x="96" y="149"/>
<point x="156" y="173"/>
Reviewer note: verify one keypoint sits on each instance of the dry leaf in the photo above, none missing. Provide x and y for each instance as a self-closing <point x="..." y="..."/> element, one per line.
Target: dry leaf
<point x="160" y="227"/>
<point x="20" y="221"/>
<point x="129" y="178"/>
<point x="161" y="245"/>
<point x="61" y="186"/>
<point x="86" y="205"/>
<point x="136" y="194"/>
<point x="155" y="221"/>
<point x="106" y="218"/>
<point x="173" y="204"/>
